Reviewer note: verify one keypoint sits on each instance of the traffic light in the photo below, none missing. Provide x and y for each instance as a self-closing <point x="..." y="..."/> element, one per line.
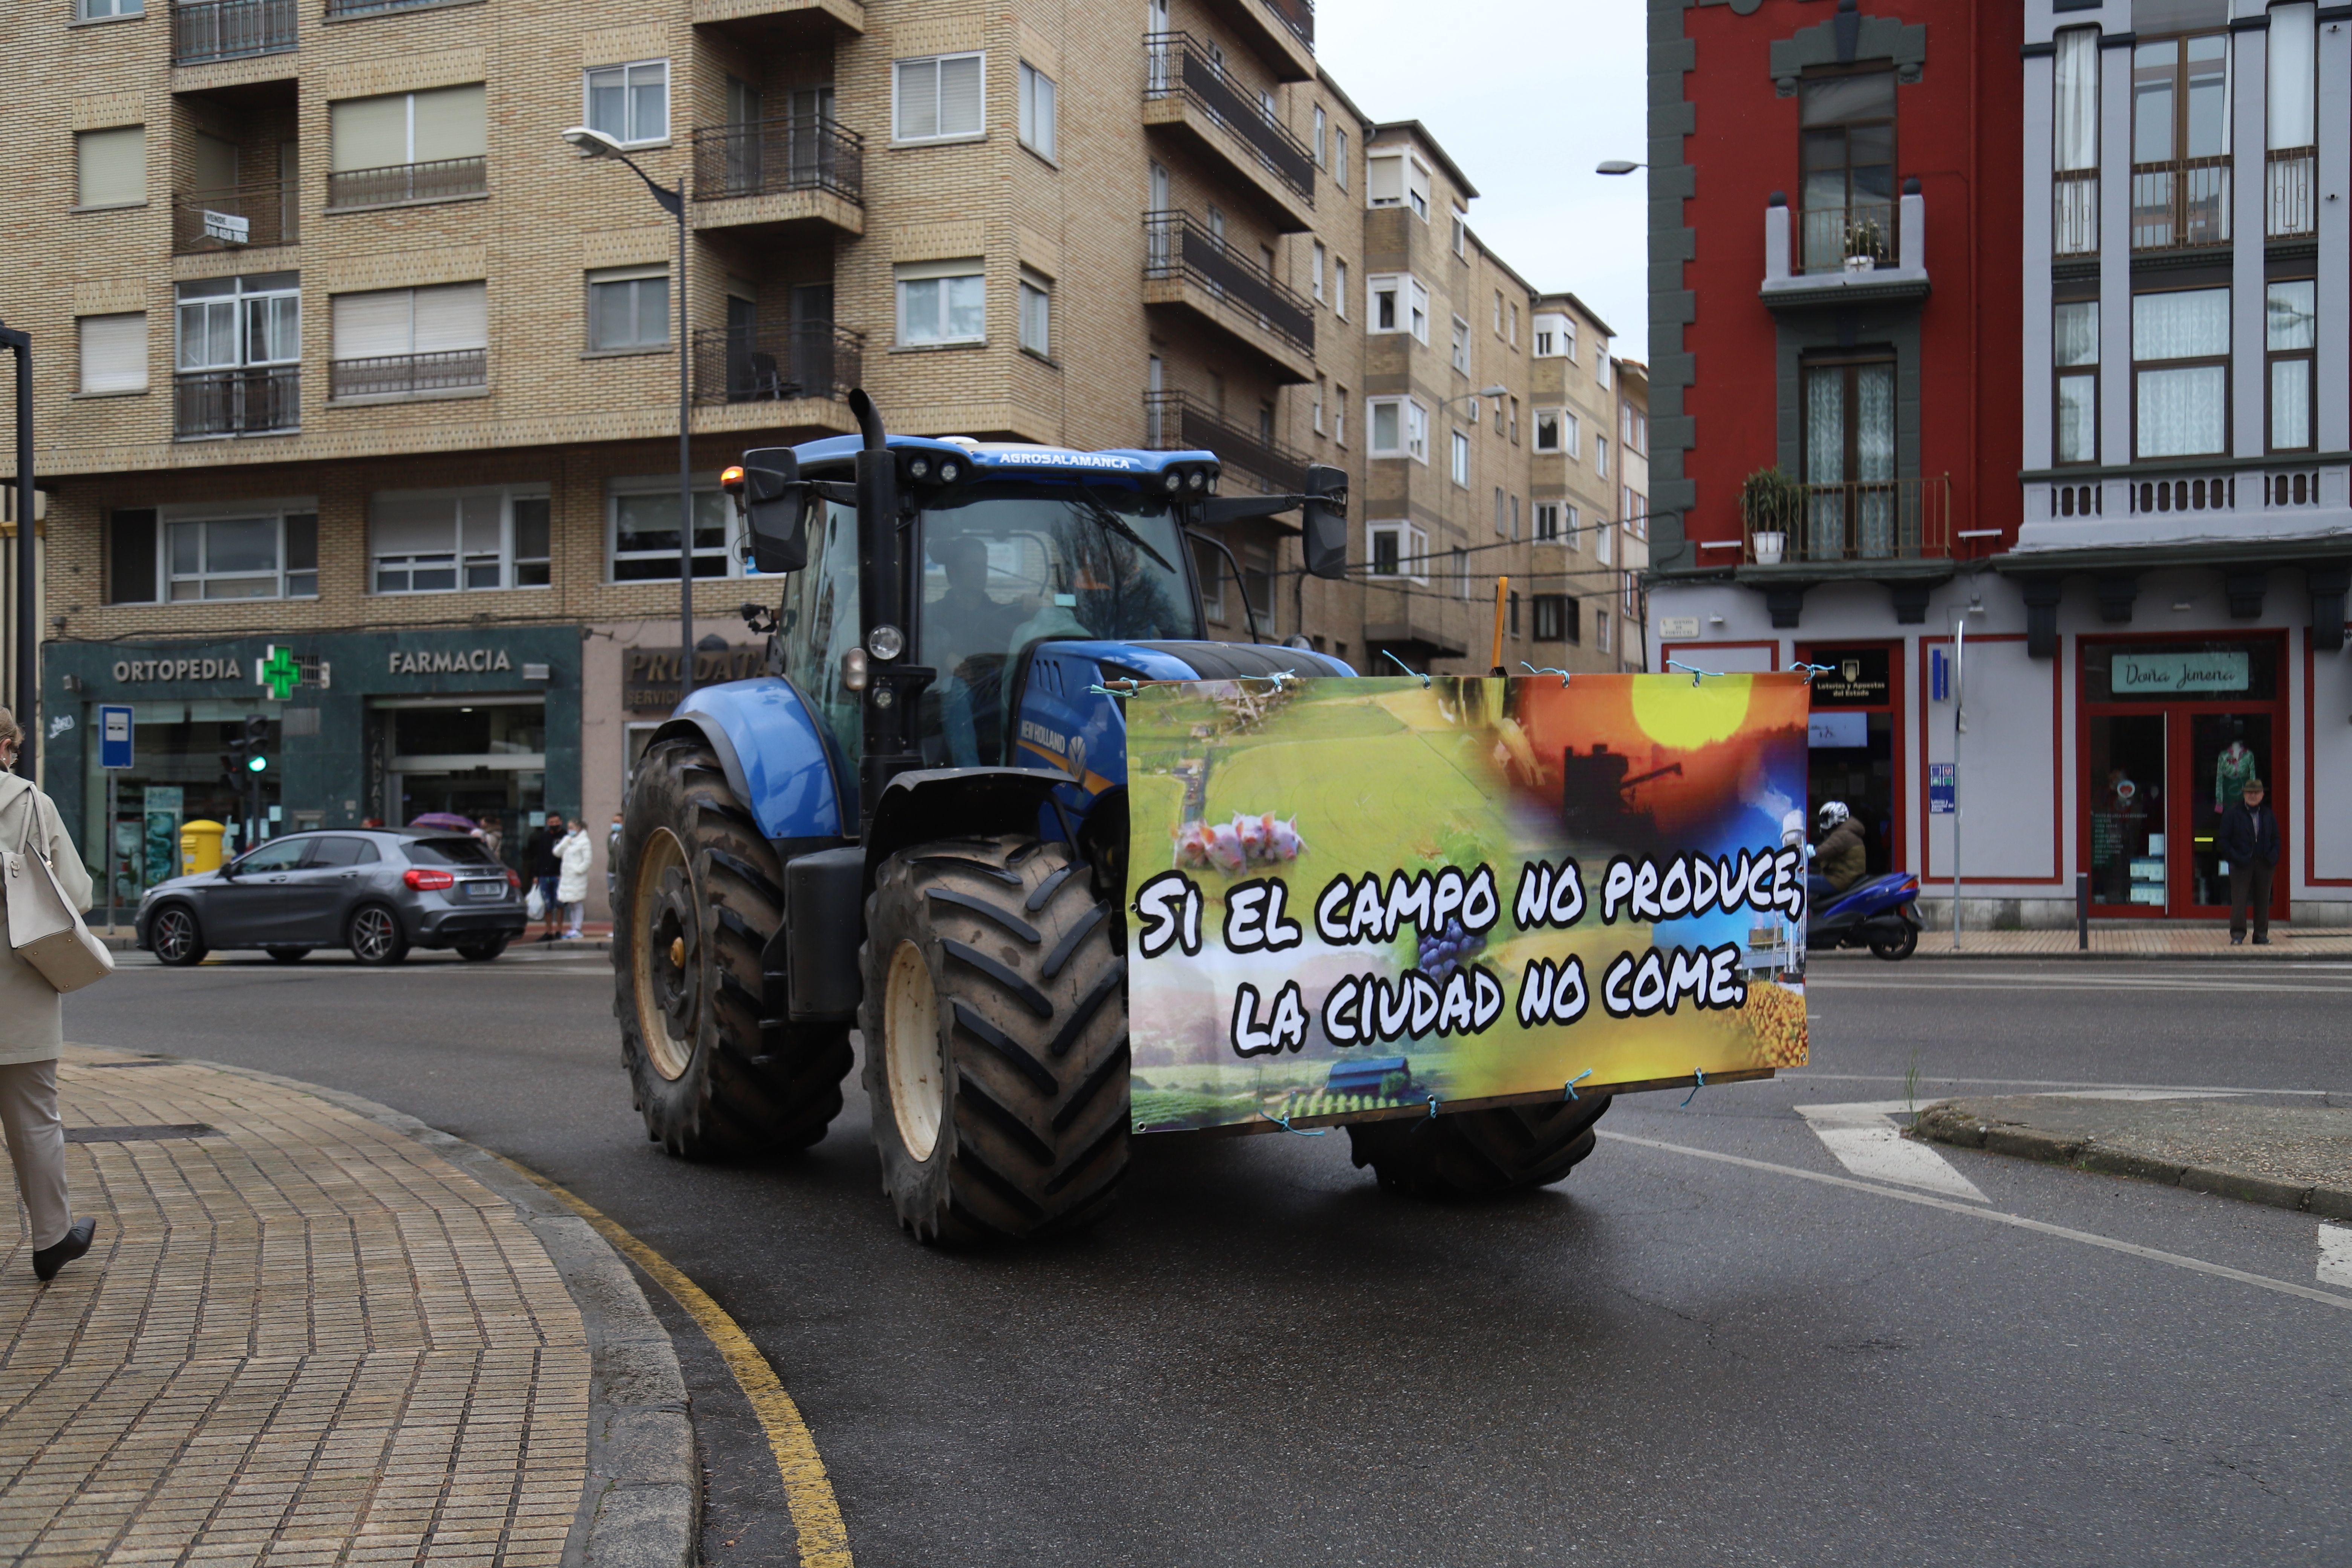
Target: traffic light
<point x="257" y="732"/>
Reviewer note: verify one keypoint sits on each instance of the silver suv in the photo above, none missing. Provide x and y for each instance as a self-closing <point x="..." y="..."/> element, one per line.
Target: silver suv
<point x="378" y="891"/>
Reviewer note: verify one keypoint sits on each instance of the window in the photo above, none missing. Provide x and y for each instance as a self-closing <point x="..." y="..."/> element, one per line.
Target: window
<point x="1636" y="513"/>
<point x="938" y="98"/>
<point x="1514" y="421"/>
<point x="1848" y="419"/>
<point x="1514" y="520"/>
<point x="1571" y="527"/>
<point x="1571" y="435"/>
<point x="1322" y="134"/>
<point x="1397" y="179"/>
<point x="1462" y="348"/>
<point x="427" y="127"/>
<point x="1399" y="428"/>
<point x="2181" y="372"/>
<point x="1600" y="361"/>
<point x="2180" y="142"/>
<point x="642" y="518"/>
<point x="131" y="563"/>
<point x="2292" y="111"/>
<point x="1601" y="630"/>
<point x="1340" y="291"/>
<point x="1339" y="416"/>
<point x="1319" y="406"/>
<point x="1397" y="550"/>
<point x="444" y="541"/>
<point x="1547" y="522"/>
<point x="1847" y="145"/>
<point x="1461" y="459"/>
<point x="224" y="554"/>
<point x="1036" y="313"/>
<point x="1554" y="336"/>
<point x="1472" y="408"/>
<point x="1461" y="572"/>
<point x="1209" y="566"/>
<point x="1315" y="268"/>
<point x="1340" y="158"/>
<point x="2074" y="362"/>
<point x="97" y="10"/>
<point x="1498" y="510"/>
<point x="390" y="342"/>
<point x="113" y="353"/>
<point x="1601" y="457"/>
<point x="1498" y="312"/>
<point x="1554" y="617"/>
<point x="1514" y="617"/>
<point x="1399" y="304"/>
<point x="628" y="309"/>
<point x="630" y="104"/>
<point x="111" y="167"/>
<point x="227" y="323"/>
<point x="1461" y="233"/>
<point x="1036" y="110"/>
<point x="2290" y="327"/>
<point x="2075" y="143"/>
<point x="1515" y="324"/>
<point x="942" y="303"/>
<point x="1603" y="541"/>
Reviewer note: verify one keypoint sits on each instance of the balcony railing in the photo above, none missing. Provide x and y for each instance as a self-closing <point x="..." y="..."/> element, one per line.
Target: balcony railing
<point x="254" y="400"/>
<point x="230" y="30"/>
<point x="2287" y="209"/>
<point x="1176" y="421"/>
<point x="403" y="376"/>
<point x="2180" y="204"/>
<point x="1180" y="67"/>
<point x="336" y="9"/>
<point x="1298" y="15"/>
<point x="245" y="217"/>
<point x="1860" y="520"/>
<point x="1177" y="245"/>
<point x="1831" y="235"/>
<point x="396" y="184"/>
<point x="812" y="359"/>
<point x="2075" y="212"/>
<point x="767" y="157"/>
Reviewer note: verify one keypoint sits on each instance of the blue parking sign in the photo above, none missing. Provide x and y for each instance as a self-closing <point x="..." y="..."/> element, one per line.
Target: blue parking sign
<point x="114" y="735"/>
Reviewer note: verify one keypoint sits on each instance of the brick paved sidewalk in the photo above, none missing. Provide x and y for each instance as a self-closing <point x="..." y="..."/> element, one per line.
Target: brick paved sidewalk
<point x="2130" y="939"/>
<point x="303" y="1337"/>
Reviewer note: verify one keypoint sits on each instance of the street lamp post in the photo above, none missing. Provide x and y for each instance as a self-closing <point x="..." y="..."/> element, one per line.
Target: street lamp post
<point x="28" y="634"/>
<point x="593" y="143"/>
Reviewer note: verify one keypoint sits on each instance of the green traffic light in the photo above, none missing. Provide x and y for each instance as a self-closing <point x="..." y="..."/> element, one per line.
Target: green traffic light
<point x="256" y="764"/>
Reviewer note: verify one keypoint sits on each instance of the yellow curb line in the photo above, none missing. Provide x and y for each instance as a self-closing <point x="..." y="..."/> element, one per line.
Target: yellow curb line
<point x="816" y="1517"/>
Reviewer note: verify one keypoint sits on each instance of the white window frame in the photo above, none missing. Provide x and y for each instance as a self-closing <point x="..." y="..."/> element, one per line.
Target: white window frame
<point x="1036" y="316"/>
<point x="84" y="387"/>
<point x="1413" y="428"/>
<point x="1601" y="364"/>
<point x="1462" y="458"/>
<point x="1571" y="435"/>
<point x="897" y="76"/>
<point x="637" y="134"/>
<point x="504" y="560"/>
<point x="1339" y="416"/>
<point x="1319" y="406"/>
<point x="1600" y="456"/>
<point x="1547" y="522"/>
<point x="108" y="10"/>
<point x="290" y="584"/>
<point x="907" y="272"/>
<point x="245" y="305"/>
<point x="1322" y="135"/>
<point x="1412" y="304"/>
<point x="1559" y="416"/>
<point x="705" y="484"/>
<point x="614" y="276"/>
<point x="1319" y="259"/>
<point x="1411" y="550"/>
<point x="1040" y="129"/>
<point x="1554" y="336"/>
<point x="1515" y="324"/>
<point x="1339" y="289"/>
<point x="1461" y="351"/>
<point x="1340" y="158"/>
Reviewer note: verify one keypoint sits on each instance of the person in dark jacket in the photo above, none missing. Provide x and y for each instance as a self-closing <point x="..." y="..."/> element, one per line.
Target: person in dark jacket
<point x="539" y="859"/>
<point x="2250" y="843"/>
<point x="1841" y="856"/>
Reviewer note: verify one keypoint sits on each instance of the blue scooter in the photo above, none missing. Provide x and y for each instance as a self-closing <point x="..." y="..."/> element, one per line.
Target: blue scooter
<point x="1877" y="912"/>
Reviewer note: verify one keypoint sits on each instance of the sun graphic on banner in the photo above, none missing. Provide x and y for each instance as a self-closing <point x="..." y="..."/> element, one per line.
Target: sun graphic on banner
<point x="1677" y="713"/>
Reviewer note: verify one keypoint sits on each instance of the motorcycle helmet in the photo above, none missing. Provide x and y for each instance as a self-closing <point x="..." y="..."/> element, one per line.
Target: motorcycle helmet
<point x="1833" y="813"/>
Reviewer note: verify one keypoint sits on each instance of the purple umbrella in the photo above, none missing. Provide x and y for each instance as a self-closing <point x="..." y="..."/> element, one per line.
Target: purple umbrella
<point x="449" y="819"/>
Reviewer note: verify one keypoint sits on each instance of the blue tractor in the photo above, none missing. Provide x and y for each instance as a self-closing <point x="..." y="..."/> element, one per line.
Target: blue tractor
<point x="915" y="823"/>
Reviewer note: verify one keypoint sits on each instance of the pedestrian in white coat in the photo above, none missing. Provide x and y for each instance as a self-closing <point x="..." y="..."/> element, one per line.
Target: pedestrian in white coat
<point x="32" y="1029"/>
<point x="574" y="854"/>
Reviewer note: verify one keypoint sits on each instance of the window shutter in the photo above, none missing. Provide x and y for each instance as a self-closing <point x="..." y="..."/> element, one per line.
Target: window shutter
<point x="959" y="96"/>
<point x="372" y="325"/>
<point x="402" y="525"/>
<point x="479" y="528"/>
<point x="453" y="316"/>
<point x="918" y="99"/>
<point x="1386" y="181"/>
<point x="449" y="124"/>
<point x="112" y="166"/>
<point x="1420" y="183"/>
<point x="368" y="133"/>
<point x="114" y="353"/>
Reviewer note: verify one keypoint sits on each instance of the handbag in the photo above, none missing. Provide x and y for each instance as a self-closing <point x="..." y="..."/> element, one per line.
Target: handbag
<point x="44" y="927"/>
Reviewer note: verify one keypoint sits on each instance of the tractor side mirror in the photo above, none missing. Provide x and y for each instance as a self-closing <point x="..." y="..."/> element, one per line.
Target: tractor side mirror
<point x="1325" y="520"/>
<point x="776" y="504"/>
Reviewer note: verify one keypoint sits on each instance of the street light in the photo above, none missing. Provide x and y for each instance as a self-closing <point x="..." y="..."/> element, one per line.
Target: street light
<point x="1482" y="391"/>
<point x="594" y="143"/>
<point x="1617" y="166"/>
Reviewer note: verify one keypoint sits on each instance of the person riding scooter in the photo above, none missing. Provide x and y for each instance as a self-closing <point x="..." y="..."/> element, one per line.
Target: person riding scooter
<point x="1839" y="860"/>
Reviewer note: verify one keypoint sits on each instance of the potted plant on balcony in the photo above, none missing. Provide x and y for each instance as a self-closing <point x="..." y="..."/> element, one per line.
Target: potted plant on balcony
<point x="1769" y="499"/>
<point x="1865" y="242"/>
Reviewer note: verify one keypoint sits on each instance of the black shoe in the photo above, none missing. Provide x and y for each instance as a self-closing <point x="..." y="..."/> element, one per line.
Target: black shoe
<point x="2262" y="942"/>
<point x="48" y="1260"/>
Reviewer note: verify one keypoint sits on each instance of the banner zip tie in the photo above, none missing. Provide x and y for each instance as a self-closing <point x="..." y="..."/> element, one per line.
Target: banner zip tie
<point x="1283" y="1121"/>
<point x="1701" y="1073"/>
<point x="1695" y="670"/>
<point x="1531" y="669"/>
<point x="1406" y="668"/>
<point x="1568" y="1088"/>
<point x="1123" y="688"/>
<point x="1812" y="670"/>
<point x="1433" y="1107"/>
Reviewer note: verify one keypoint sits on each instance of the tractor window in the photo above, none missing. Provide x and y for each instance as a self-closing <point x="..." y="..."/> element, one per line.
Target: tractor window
<point x="1026" y="563"/>
<point x="820" y="625"/>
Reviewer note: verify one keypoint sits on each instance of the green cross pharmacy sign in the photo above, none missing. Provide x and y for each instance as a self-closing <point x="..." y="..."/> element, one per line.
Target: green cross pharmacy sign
<point x="279" y="670"/>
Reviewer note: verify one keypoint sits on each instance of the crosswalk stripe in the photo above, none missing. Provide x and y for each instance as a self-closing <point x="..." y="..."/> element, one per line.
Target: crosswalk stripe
<point x="1864" y="1137"/>
<point x="2335" y="1254"/>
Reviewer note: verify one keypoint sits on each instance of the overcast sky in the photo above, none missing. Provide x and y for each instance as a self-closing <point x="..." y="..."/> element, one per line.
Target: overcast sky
<point x="1526" y="95"/>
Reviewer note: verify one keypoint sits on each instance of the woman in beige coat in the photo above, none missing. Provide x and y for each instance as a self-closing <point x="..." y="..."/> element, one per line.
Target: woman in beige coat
<point x="32" y="1028"/>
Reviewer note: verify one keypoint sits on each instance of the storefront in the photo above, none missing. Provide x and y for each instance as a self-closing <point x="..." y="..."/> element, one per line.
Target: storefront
<point x="357" y="728"/>
<point x="1854" y="741"/>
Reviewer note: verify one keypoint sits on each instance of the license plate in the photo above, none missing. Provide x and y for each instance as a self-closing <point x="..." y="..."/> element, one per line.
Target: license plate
<point x="485" y="890"/>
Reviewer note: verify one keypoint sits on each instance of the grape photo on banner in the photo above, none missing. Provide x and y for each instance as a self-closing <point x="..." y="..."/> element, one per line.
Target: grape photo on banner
<point x="1353" y="898"/>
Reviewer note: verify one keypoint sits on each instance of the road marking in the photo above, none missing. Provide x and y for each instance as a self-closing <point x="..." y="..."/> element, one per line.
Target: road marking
<point x="1998" y="1217"/>
<point x="1808" y="1075"/>
<point x="2335" y="1254"/>
<point x="2069" y="982"/>
<point x="1864" y="1137"/>
<point x="808" y="1494"/>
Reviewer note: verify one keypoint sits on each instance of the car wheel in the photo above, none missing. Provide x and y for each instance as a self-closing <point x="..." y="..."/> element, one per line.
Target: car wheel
<point x="481" y="951"/>
<point x="290" y="955"/>
<point x="376" y="936"/>
<point x="175" y="937"/>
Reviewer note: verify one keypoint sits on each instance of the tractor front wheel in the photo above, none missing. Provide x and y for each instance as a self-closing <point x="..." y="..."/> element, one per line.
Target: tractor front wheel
<point x="1476" y="1154"/>
<point x="995" y="1026"/>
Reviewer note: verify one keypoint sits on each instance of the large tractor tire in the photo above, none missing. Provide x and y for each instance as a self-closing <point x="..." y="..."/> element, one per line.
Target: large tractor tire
<point x="995" y="1025"/>
<point x="701" y="894"/>
<point x="1476" y="1154"/>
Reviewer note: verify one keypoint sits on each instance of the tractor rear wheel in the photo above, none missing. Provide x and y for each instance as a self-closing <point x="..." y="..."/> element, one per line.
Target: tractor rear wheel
<point x="699" y="895"/>
<point x="1478" y="1154"/>
<point x="995" y="1025"/>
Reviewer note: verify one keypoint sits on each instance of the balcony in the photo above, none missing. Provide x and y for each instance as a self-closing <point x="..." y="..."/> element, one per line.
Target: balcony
<point x="246" y="217"/>
<point x="254" y="400"/>
<point x="2074" y="213"/>
<point x="407" y="185"/>
<point x="1187" y="265"/>
<point x="795" y="168"/>
<point x="1187" y="88"/>
<point x="2182" y="204"/>
<point x="1864" y="253"/>
<point x="231" y="30"/>
<point x="1279" y="34"/>
<point x="337" y="10"/>
<point x="1860" y="519"/>
<point x="1178" y="422"/>
<point x="409" y="375"/>
<point x="2287" y="196"/>
<point x="790" y="364"/>
<point x="848" y="16"/>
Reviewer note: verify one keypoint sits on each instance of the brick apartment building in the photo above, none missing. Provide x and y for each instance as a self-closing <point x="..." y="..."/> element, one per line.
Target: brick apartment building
<point x="2040" y="313"/>
<point x="344" y="350"/>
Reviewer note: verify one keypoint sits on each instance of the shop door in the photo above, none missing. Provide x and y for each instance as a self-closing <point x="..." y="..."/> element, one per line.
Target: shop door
<point x="1857" y="721"/>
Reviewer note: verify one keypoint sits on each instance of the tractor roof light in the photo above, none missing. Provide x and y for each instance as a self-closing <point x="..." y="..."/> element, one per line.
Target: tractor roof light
<point x="950" y="471"/>
<point x="731" y="479"/>
<point x="920" y="467"/>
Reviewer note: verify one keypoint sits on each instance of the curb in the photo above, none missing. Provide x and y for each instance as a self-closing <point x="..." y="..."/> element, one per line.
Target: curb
<point x="2221" y="955"/>
<point x="1937" y="1125"/>
<point x="641" y="1506"/>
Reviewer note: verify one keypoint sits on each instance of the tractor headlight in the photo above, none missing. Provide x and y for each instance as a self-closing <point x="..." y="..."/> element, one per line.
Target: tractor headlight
<point x="950" y="471"/>
<point x="1200" y="480"/>
<point x="886" y="643"/>
<point x="921" y="468"/>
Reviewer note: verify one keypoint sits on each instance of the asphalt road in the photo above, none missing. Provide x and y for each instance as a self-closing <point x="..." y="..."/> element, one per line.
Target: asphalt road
<point x="1670" y="1358"/>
